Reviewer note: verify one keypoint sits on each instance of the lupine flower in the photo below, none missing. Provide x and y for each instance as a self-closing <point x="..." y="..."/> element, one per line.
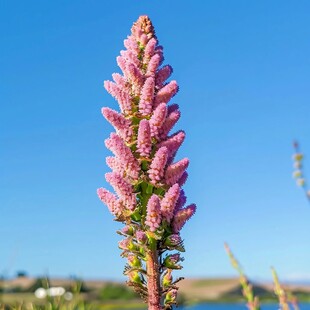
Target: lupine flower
<point x="149" y="199"/>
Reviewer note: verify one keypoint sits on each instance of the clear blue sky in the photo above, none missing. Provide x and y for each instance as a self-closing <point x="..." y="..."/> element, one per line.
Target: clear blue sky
<point x="243" y="69"/>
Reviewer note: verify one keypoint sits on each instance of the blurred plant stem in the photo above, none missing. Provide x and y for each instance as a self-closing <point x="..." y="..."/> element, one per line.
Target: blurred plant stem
<point x="247" y="289"/>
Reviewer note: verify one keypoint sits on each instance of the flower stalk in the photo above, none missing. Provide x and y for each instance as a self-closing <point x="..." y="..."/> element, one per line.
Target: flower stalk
<point x="283" y="297"/>
<point x="147" y="181"/>
<point x="247" y="288"/>
<point x="298" y="173"/>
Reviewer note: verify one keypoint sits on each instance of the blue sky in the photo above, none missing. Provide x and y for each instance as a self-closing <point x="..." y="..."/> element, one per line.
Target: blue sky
<point x="243" y="69"/>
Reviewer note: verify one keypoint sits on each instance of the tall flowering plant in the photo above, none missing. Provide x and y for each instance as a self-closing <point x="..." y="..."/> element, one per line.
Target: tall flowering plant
<point x="147" y="180"/>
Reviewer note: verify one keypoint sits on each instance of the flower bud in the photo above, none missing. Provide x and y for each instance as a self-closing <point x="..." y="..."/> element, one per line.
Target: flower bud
<point x="128" y="230"/>
<point x="296" y="174"/>
<point x="173" y="240"/>
<point x="123" y="244"/>
<point x="135" y="277"/>
<point x="171" y="261"/>
<point x="298" y="157"/>
<point x="167" y="278"/>
<point x="134" y="261"/>
<point x="127" y="244"/>
<point x="171" y="296"/>
<point x="141" y="237"/>
<point x="301" y="182"/>
<point x="297" y="165"/>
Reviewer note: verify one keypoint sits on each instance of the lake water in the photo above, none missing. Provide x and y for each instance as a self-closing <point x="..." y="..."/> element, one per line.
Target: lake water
<point x="236" y="307"/>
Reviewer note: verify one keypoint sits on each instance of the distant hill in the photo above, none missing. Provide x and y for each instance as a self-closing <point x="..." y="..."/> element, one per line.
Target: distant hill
<point x="192" y="289"/>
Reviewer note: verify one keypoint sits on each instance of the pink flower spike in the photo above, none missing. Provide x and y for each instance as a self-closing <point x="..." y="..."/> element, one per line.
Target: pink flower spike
<point x="172" y="108"/>
<point x="183" y="179"/>
<point x="146" y="179"/>
<point x="157" y="167"/>
<point x="131" y="44"/>
<point x="110" y="201"/>
<point x="170" y="121"/>
<point x="147" y="95"/>
<point x="166" y="93"/>
<point x="175" y="171"/>
<point x="182" y="216"/>
<point x="157" y="120"/>
<point x="173" y="143"/>
<point x="130" y="57"/>
<point x="163" y="74"/>
<point x="143" y="26"/>
<point x="181" y="201"/>
<point x="149" y="50"/>
<point x="122" y="97"/>
<point x="120" y="80"/>
<point x="123" y="189"/>
<point x="143" y="39"/>
<point x="115" y="164"/>
<point x="144" y="144"/>
<point x="153" y="65"/>
<point x="168" y="203"/>
<point x="153" y="217"/>
<point x="159" y="50"/>
<point x="120" y="123"/>
<point x="124" y="154"/>
<point x="122" y="63"/>
<point x="134" y="74"/>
